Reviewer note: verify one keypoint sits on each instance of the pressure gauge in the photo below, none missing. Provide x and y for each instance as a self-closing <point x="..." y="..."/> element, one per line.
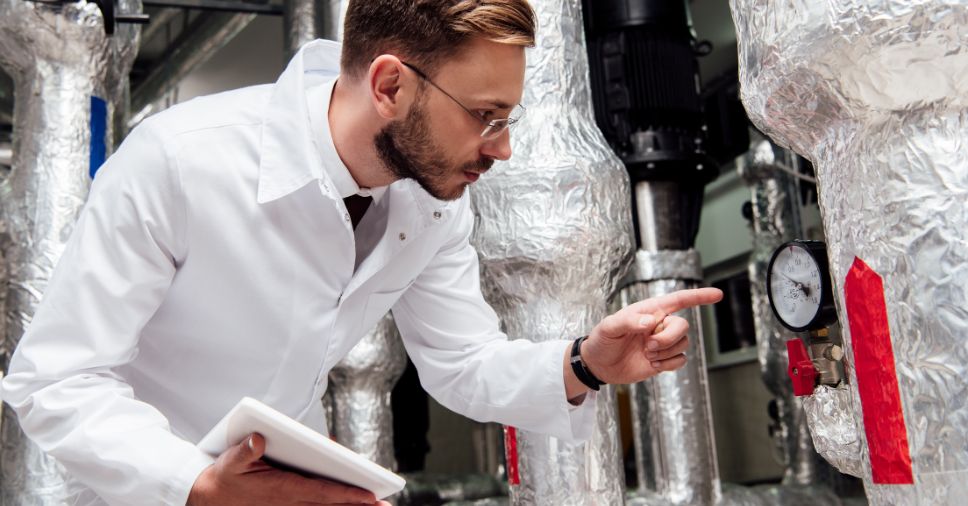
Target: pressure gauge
<point x="798" y="285"/>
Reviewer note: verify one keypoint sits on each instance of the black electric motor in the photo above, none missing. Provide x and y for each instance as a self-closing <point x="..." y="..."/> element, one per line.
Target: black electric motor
<point x="645" y="89"/>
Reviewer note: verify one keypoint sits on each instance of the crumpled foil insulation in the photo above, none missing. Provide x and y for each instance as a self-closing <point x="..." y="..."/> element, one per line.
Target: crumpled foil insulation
<point x="359" y="388"/>
<point x="59" y="58"/>
<point x="874" y="93"/>
<point x="554" y="236"/>
<point x="671" y="416"/>
<point x="830" y="414"/>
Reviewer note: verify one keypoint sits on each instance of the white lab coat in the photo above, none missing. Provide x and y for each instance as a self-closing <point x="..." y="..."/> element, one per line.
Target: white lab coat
<point x="215" y="260"/>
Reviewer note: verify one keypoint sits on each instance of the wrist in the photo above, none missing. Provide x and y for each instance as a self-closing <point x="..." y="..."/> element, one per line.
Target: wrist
<point x="197" y="495"/>
<point x="580" y="367"/>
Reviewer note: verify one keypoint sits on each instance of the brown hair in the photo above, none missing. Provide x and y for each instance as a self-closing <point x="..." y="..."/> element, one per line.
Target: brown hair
<point x="427" y="32"/>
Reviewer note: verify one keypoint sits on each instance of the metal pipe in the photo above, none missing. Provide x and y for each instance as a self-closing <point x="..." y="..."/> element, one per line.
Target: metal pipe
<point x="554" y="237"/>
<point x="157" y="22"/>
<point x="307" y="20"/>
<point x="67" y="76"/>
<point x="873" y="92"/>
<point x="675" y="448"/>
<point x="200" y="40"/>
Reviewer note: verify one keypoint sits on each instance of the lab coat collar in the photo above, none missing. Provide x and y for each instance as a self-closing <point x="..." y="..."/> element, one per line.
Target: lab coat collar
<point x="289" y="158"/>
<point x="318" y="99"/>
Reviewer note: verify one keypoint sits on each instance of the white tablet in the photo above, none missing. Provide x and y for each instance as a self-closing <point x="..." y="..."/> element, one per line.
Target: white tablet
<point x="291" y="443"/>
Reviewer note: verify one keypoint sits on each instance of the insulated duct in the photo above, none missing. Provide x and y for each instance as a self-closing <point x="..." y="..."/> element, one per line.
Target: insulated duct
<point x="68" y="76"/>
<point x="554" y="237"/>
<point x="874" y="93"/>
<point x="360" y="385"/>
<point x="767" y="168"/>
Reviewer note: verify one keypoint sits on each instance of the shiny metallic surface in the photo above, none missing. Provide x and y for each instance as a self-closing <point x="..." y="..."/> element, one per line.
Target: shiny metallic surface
<point x="360" y="386"/>
<point x="672" y="425"/>
<point x="874" y="93"/>
<point x="672" y="422"/>
<point x="208" y="33"/>
<point x="830" y="414"/>
<point x="307" y="20"/>
<point x="466" y="489"/>
<point x="59" y="57"/>
<point x="554" y="237"/>
<point x="658" y="208"/>
<point x="666" y="264"/>
<point x="775" y="221"/>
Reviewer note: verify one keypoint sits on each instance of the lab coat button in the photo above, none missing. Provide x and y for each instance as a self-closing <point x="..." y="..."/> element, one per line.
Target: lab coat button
<point x="436" y="215"/>
<point x="403" y="237"/>
<point x="346" y="216"/>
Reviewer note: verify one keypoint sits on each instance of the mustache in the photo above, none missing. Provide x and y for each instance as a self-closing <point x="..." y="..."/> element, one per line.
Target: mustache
<point x="482" y="165"/>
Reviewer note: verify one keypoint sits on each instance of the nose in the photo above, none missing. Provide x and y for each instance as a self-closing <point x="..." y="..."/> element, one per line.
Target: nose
<point x="498" y="148"/>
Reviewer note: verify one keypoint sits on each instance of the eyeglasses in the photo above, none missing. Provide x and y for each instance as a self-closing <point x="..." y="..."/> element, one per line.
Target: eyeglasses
<point x="492" y="128"/>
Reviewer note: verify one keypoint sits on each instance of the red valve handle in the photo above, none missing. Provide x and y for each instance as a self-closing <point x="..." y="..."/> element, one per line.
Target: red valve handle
<point x="801" y="369"/>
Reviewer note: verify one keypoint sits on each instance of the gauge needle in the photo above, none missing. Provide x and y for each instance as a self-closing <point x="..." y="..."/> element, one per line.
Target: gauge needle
<point x="802" y="287"/>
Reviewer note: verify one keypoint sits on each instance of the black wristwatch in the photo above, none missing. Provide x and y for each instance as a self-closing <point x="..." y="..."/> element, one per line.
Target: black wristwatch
<point x="581" y="371"/>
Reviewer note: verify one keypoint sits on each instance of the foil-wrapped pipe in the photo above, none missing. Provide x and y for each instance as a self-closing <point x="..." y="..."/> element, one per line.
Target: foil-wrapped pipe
<point x="776" y="220"/>
<point x="307" y="20"/>
<point x="67" y="76"/>
<point x="672" y="424"/>
<point x="554" y="237"/>
<point x="360" y="385"/>
<point x="874" y="93"/>
<point x="427" y="488"/>
<point x="834" y="431"/>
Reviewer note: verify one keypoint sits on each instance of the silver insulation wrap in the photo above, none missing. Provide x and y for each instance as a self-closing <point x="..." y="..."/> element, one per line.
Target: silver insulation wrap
<point x="874" y="93"/>
<point x="68" y="77"/>
<point x="429" y="488"/>
<point x="672" y="425"/>
<point x="554" y="237"/>
<point x="360" y="387"/>
<point x="775" y="221"/>
<point x="832" y="425"/>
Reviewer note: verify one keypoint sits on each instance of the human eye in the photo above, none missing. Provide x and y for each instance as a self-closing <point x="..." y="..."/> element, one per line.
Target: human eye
<point x="486" y="114"/>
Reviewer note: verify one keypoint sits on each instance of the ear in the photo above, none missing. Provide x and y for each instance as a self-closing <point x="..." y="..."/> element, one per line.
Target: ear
<point x="390" y="89"/>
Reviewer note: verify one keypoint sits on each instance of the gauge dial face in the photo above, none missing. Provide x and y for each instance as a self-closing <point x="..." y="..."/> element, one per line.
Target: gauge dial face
<point x="795" y="286"/>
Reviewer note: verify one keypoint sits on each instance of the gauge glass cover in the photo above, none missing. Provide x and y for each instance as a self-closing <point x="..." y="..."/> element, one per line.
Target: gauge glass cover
<point x="795" y="286"/>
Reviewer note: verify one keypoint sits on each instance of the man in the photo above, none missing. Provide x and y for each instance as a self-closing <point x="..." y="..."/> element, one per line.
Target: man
<point x="241" y="244"/>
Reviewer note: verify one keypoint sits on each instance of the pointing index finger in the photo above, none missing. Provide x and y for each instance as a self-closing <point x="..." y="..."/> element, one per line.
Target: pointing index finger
<point x="677" y="301"/>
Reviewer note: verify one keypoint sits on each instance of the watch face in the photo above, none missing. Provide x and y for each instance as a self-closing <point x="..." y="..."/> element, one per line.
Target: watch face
<point x="795" y="286"/>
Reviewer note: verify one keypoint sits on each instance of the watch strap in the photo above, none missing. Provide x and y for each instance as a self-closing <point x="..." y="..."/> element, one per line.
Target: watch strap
<point x="580" y="369"/>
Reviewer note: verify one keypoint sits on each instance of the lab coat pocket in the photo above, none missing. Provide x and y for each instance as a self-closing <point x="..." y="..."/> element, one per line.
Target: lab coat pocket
<point x="378" y="304"/>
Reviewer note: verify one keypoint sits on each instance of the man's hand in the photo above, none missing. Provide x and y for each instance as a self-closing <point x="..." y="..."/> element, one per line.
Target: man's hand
<point x="640" y="341"/>
<point x="240" y="478"/>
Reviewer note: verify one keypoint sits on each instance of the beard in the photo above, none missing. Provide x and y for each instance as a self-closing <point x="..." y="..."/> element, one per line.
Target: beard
<point x="406" y="149"/>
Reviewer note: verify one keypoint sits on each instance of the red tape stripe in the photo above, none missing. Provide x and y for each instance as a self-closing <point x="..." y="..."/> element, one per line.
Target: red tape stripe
<point x="877" y="384"/>
<point x="511" y="451"/>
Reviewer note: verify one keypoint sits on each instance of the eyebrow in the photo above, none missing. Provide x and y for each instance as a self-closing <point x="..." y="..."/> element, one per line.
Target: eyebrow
<point x="498" y="104"/>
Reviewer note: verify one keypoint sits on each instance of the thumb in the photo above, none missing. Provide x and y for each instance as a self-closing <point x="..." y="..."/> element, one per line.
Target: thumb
<point x="246" y="453"/>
